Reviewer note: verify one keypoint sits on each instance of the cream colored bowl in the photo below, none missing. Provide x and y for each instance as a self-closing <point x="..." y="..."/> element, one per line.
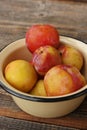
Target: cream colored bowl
<point x="47" y="107"/>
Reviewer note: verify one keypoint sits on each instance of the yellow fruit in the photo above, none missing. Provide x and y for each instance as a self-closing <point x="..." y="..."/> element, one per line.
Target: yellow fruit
<point x="21" y="75"/>
<point x="71" y="56"/>
<point x="39" y="89"/>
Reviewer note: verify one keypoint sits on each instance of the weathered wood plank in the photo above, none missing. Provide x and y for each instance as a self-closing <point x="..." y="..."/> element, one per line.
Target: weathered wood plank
<point x="73" y="0"/>
<point x="43" y="11"/>
<point x="16" y="124"/>
<point x="10" y="34"/>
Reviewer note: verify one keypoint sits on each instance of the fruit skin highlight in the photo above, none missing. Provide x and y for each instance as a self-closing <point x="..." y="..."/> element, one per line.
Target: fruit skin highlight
<point x="41" y="35"/>
<point x="21" y="75"/>
<point x="62" y="79"/>
<point x="44" y="58"/>
<point x="71" y="56"/>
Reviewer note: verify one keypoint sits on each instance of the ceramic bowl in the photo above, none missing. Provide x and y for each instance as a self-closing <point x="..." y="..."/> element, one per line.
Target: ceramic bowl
<point x="47" y="107"/>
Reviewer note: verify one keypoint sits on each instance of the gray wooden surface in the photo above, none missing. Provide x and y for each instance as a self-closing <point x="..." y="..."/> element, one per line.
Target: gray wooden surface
<point x="70" y="18"/>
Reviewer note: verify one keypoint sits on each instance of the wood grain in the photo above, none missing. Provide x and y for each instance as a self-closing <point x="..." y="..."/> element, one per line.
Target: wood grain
<point x="16" y="124"/>
<point x="77" y="119"/>
<point x="16" y="16"/>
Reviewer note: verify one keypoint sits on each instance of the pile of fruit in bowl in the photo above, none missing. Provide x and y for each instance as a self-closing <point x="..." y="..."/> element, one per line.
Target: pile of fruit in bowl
<point x="55" y="66"/>
<point x="45" y="68"/>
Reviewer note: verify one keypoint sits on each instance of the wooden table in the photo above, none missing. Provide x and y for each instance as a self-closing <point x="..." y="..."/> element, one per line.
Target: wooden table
<point x="70" y="18"/>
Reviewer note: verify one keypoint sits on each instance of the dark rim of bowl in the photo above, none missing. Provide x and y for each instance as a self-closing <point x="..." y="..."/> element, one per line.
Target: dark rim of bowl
<point x="43" y="99"/>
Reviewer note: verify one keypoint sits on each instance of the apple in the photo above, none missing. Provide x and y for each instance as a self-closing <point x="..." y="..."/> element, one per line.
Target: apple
<point x="63" y="79"/>
<point x="71" y="56"/>
<point x="39" y="89"/>
<point x="45" y="58"/>
<point x="41" y="35"/>
<point x="21" y="75"/>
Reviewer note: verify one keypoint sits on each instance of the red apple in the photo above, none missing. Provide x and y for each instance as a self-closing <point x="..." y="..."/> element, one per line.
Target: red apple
<point x="41" y="35"/>
<point x="62" y="79"/>
<point x="44" y="58"/>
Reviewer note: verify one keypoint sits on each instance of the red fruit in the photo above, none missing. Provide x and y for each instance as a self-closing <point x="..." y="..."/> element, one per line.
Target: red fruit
<point x="58" y="82"/>
<point x="45" y="58"/>
<point x="63" y="79"/>
<point x="41" y="35"/>
<point x="78" y="79"/>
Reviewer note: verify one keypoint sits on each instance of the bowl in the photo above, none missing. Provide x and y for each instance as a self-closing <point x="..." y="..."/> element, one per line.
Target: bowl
<point x="47" y="107"/>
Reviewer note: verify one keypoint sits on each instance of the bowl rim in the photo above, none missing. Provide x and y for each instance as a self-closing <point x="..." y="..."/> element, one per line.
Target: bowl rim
<point x="26" y="96"/>
<point x="50" y="99"/>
